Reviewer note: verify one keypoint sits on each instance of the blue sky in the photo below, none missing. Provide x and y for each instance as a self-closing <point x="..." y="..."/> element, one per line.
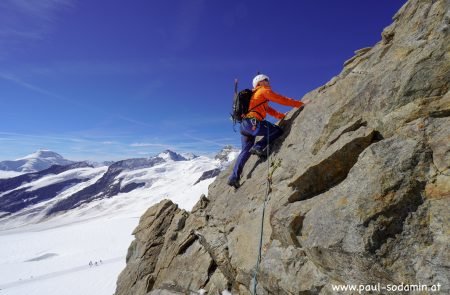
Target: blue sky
<point x="114" y="79"/>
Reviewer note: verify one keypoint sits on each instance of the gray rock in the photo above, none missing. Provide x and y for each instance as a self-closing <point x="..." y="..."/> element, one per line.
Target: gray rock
<point x="360" y="189"/>
<point x="208" y="174"/>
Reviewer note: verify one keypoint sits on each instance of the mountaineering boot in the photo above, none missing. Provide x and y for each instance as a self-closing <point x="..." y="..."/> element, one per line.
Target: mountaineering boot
<point x="257" y="151"/>
<point x="234" y="182"/>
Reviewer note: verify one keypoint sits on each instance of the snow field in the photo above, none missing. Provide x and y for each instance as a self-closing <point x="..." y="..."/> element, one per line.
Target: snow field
<point x="52" y="257"/>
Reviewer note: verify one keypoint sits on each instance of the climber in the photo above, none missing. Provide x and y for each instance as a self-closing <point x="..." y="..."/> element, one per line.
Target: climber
<point x="254" y="124"/>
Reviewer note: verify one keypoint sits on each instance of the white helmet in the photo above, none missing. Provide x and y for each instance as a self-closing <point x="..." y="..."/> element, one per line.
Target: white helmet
<point x="258" y="79"/>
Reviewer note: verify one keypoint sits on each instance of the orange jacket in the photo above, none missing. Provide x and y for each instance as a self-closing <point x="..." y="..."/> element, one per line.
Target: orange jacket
<point x="259" y="103"/>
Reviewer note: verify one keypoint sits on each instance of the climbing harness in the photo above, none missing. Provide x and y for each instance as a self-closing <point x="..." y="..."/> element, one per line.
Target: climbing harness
<point x="254" y="123"/>
<point x="268" y="190"/>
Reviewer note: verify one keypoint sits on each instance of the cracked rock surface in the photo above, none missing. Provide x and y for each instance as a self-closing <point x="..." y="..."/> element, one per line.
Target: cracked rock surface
<point x="360" y="193"/>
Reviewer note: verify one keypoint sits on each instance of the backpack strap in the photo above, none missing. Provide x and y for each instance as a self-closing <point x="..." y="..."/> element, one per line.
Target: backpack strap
<point x="252" y="109"/>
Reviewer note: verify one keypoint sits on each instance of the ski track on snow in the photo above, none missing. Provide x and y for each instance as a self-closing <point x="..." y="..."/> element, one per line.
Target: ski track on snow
<point x="59" y="273"/>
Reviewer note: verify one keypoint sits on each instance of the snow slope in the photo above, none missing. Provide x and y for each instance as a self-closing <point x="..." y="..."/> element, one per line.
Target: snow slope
<point x="55" y="260"/>
<point x="52" y="256"/>
<point x="9" y="174"/>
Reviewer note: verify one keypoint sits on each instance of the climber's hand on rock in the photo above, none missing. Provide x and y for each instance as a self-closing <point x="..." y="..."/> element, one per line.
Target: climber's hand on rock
<point x="306" y="101"/>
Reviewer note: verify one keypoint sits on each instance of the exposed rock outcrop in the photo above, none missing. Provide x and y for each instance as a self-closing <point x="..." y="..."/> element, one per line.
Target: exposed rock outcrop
<point x="361" y="186"/>
<point x="208" y="174"/>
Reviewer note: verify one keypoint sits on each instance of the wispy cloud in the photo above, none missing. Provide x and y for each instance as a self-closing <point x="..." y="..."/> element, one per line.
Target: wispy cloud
<point x="18" y="81"/>
<point x="42" y="9"/>
<point x="97" y="148"/>
<point x="144" y="144"/>
<point x="30" y="19"/>
<point x="188" y="20"/>
<point x="96" y="67"/>
<point x="21" y="136"/>
<point x="136" y="122"/>
<point x="15" y="145"/>
<point x="24" y="21"/>
<point x="213" y="142"/>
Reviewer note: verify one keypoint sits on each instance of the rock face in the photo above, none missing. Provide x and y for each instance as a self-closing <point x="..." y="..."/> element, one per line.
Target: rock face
<point x="360" y="192"/>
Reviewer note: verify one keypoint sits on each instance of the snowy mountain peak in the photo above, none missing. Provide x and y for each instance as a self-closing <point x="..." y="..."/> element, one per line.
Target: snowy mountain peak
<point x="37" y="161"/>
<point x="227" y="154"/>
<point x="42" y="154"/>
<point x="170" y="155"/>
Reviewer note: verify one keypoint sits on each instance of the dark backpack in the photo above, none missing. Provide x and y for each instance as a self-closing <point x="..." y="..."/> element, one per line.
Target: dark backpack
<point x="241" y="102"/>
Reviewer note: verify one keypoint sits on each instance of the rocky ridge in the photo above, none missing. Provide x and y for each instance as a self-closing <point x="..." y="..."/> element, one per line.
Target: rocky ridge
<point x="360" y="193"/>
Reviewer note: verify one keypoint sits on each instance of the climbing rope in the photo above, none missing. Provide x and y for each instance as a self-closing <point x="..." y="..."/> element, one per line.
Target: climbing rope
<point x="268" y="190"/>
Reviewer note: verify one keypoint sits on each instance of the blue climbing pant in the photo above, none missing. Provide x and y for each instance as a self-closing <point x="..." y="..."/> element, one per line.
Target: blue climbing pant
<point x="250" y="128"/>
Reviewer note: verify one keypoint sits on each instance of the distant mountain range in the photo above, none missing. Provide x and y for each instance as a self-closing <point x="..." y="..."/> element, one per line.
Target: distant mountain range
<point x="68" y="185"/>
